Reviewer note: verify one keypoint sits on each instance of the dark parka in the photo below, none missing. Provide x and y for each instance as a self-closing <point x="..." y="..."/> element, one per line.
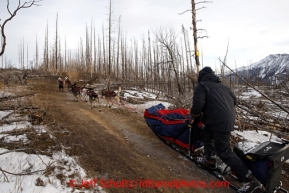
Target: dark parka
<point x="216" y="101"/>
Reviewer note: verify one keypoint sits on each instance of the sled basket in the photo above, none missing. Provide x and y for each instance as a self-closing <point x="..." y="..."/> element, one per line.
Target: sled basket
<point x="171" y="125"/>
<point x="265" y="161"/>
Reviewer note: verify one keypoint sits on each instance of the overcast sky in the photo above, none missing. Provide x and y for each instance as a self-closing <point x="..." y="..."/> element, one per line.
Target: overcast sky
<point x="254" y="29"/>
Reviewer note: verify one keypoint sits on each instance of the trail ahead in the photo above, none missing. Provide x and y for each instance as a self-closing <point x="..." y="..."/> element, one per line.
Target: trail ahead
<point x="116" y="144"/>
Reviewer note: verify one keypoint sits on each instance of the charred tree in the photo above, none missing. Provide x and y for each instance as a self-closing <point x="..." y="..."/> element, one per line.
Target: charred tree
<point x="56" y="44"/>
<point x="118" y="49"/>
<point x="195" y="31"/>
<point x="36" y="55"/>
<point x="12" y="14"/>
<point x="168" y="40"/>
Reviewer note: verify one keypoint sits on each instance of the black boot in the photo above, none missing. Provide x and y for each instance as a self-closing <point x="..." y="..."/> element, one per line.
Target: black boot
<point x="205" y="162"/>
<point x="252" y="186"/>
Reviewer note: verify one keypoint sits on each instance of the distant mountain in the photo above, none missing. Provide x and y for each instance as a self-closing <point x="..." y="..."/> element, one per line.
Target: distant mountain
<point x="274" y="68"/>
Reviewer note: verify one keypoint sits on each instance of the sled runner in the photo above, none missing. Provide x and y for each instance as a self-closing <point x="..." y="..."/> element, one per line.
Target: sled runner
<point x="174" y="128"/>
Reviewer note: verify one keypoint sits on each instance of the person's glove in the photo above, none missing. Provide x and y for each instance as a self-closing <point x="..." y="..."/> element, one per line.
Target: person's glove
<point x="197" y="118"/>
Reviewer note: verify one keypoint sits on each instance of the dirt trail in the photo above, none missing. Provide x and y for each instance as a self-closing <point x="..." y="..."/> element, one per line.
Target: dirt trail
<point x="116" y="144"/>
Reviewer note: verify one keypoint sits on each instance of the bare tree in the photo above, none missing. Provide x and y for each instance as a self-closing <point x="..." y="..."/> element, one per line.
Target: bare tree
<point x="118" y="48"/>
<point x="45" y="54"/>
<point x="94" y="61"/>
<point x="65" y="56"/>
<point x="56" y="44"/>
<point x="109" y="42"/>
<point x="12" y="15"/>
<point x="123" y="58"/>
<point x="27" y="57"/>
<point x="224" y="62"/>
<point x="104" y="54"/>
<point x="90" y="56"/>
<point x="36" y="56"/>
<point x="81" y="54"/>
<point x="59" y="56"/>
<point x="195" y="30"/>
<point x="136" y="60"/>
<point x="23" y="53"/>
<point x="87" y="52"/>
<point x="2" y="57"/>
<point x="168" y="40"/>
<point x="99" y="55"/>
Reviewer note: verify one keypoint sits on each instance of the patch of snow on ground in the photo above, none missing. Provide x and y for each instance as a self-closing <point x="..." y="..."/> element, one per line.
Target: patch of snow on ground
<point x="138" y="94"/>
<point x="249" y="94"/>
<point x="31" y="167"/>
<point x="256" y="137"/>
<point x="9" y="139"/>
<point x="4" y="113"/>
<point x="19" y="162"/>
<point x="15" y="125"/>
<point x="5" y="94"/>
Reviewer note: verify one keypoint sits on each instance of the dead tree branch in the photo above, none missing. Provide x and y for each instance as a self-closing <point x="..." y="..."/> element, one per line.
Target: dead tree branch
<point x="204" y="2"/>
<point x="12" y="15"/>
<point x="224" y="62"/>
<point x="185" y="12"/>
<point x="6" y="116"/>
<point x="201" y="37"/>
<point x="196" y="4"/>
<point x="200" y="8"/>
<point x="27" y="173"/>
<point x="7" y="98"/>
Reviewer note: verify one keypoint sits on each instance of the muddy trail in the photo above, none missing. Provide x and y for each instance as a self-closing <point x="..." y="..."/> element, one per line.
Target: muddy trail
<point x="116" y="145"/>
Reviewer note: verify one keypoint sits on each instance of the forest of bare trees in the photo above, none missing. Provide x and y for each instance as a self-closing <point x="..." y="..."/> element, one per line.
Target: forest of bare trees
<point x="164" y="60"/>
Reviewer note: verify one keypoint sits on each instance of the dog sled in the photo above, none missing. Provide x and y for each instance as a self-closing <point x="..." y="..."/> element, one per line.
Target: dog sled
<point x="175" y="128"/>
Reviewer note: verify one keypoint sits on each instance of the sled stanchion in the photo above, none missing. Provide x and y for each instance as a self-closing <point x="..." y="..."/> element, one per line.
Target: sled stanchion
<point x="190" y="125"/>
<point x="190" y="142"/>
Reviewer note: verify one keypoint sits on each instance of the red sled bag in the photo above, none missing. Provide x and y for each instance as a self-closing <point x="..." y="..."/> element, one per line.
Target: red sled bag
<point x="171" y="125"/>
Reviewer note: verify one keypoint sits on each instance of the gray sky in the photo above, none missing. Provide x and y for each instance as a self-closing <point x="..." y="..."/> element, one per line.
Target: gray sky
<point x="253" y="28"/>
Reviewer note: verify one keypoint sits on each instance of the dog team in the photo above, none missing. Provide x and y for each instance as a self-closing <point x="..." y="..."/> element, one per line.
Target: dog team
<point x="88" y="93"/>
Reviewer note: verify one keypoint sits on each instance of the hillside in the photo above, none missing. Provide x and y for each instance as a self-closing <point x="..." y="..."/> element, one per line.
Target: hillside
<point x="271" y="69"/>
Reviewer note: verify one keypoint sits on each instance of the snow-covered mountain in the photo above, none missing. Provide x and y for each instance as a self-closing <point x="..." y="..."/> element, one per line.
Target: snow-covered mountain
<point x="274" y="67"/>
